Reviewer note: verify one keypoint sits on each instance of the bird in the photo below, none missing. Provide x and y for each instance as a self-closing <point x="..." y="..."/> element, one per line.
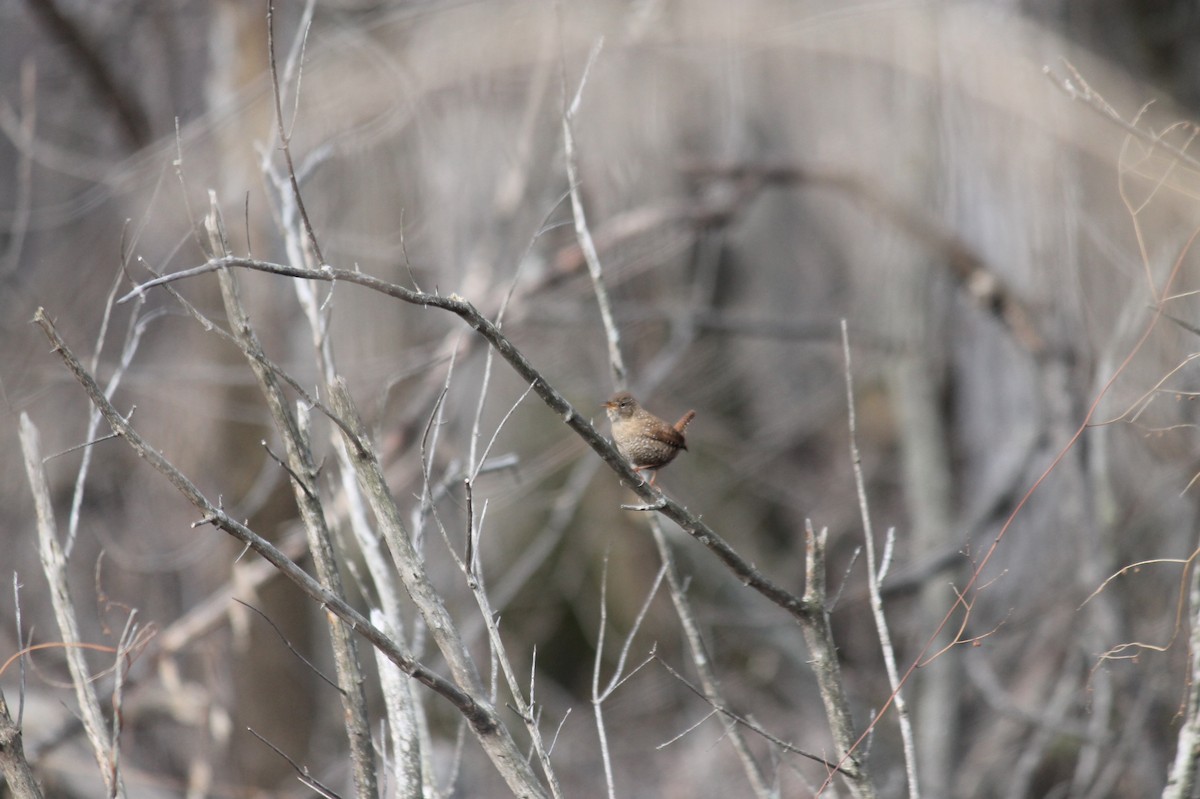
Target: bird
<point x="643" y="439"/>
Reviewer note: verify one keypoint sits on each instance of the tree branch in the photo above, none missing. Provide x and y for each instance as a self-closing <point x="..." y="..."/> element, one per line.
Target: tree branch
<point x="481" y="717"/>
<point x="746" y="572"/>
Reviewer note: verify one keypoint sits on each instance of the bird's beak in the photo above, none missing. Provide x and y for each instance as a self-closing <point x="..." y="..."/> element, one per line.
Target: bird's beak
<point x="608" y="404"/>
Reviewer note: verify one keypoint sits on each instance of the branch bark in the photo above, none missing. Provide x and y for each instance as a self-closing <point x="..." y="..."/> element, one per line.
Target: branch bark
<point x="13" y="764"/>
<point x="818" y="635"/>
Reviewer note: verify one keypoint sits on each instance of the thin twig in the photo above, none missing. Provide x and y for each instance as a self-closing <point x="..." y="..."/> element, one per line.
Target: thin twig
<point x="301" y="771"/>
<point x="597" y="704"/>
<point x="285" y="137"/>
<point x="745" y="722"/>
<point x="1077" y="88"/>
<point x="874" y="575"/>
<point x="284" y="640"/>
<point x="20" y="646"/>
<point x="582" y="233"/>
<point x="133" y="337"/>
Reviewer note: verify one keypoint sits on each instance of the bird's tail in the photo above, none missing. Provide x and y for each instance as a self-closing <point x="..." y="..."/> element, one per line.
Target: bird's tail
<point x="684" y="421"/>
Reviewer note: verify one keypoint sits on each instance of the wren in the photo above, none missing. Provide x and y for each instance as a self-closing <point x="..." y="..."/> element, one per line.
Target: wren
<point x="643" y="439"/>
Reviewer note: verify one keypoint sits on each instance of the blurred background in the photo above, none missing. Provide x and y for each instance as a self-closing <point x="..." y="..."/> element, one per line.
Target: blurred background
<point x="997" y="238"/>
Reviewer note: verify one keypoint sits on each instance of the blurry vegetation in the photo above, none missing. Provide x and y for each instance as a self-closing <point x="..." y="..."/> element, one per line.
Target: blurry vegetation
<point x="1000" y="244"/>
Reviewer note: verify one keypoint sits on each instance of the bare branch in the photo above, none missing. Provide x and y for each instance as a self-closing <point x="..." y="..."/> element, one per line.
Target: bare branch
<point x="293" y="428"/>
<point x="496" y="740"/>
<point x="746" y="573"/>
<point x="54" y="564"/>
<point x="481" y="717"/>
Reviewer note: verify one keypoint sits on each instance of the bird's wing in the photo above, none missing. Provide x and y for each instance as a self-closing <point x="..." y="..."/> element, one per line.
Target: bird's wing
<point x="668" y="435"/>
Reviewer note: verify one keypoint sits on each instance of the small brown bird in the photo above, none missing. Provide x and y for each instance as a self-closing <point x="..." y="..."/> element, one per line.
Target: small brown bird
<point x="642" y="438"/>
